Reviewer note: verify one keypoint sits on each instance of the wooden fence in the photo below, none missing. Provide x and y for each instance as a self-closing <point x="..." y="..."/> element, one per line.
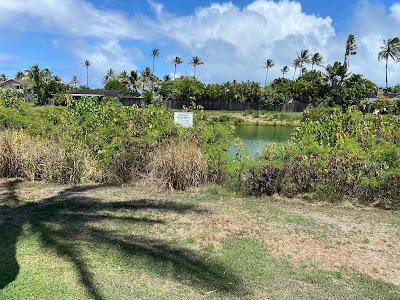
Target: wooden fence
<point x="292" y="106"/>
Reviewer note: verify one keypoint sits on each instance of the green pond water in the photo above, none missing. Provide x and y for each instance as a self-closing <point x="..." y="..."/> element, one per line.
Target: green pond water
<point x="255" y="137"/>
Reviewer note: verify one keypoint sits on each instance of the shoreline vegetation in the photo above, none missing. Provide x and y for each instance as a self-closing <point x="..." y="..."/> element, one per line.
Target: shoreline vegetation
<point x="334" y="154"/>
<point x="254" y="117"/>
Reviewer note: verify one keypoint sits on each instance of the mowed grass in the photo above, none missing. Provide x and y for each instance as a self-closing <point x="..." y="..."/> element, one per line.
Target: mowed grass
<point x="141" y="242"/>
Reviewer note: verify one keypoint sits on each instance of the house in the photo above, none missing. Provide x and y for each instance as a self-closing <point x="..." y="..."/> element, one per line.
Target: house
<point x="125" y="99"/>
<point x="18" y="85"/>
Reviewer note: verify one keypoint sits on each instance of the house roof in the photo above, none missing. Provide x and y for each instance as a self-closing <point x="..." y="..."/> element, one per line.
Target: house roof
<point x="101" y="93"/>
<point x="11" y="80"/>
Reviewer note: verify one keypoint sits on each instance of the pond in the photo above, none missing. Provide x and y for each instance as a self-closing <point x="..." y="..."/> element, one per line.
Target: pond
<point x="256" y="137"/>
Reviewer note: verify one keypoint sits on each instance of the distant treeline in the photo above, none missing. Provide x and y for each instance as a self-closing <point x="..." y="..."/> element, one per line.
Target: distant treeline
<point x="312" y="87"/>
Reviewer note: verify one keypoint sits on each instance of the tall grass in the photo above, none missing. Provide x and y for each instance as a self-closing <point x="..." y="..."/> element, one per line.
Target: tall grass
<point x="179" y="165"/>
<point x="37" y="158"/>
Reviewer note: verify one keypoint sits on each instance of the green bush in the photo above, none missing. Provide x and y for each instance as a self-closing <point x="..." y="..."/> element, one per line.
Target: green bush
<point x="11" y="98"/>
<point x="385" y="104"/>
<point x="262" y="180"/>
<point x="336" y="154"/>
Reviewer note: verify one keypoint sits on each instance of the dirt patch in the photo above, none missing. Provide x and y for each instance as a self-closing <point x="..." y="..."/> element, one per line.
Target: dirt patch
<point x="357" y="239"/>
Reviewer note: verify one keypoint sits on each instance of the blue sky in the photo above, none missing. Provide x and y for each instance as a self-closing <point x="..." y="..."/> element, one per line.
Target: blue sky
<point x="232" y="37"/>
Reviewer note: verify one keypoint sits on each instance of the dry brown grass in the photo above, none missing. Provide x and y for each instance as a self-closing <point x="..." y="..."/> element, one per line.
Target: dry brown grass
<point x="179" y="165"/>
<point x="35" y="158"/>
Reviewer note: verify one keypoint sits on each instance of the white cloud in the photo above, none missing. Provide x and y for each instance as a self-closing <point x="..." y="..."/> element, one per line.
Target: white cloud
<point x="105" y="55"/>
<point x="74" y="17"/>
<point x="234" y="41"/>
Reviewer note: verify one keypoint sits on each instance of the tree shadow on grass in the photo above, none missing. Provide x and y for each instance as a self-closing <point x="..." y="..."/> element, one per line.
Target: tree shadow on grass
<point x="70" y="217"/>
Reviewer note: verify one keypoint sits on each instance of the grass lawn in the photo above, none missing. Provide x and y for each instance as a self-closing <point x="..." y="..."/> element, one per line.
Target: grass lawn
<point x="140" y="242"/>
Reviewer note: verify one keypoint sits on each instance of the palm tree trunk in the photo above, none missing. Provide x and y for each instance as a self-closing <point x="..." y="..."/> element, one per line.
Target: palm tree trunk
<point x="153" y="64"/>
<point x="294" y="75"/>
<point x="266" y="78"/>
<point x="194" y="71"/>
<point x="174" y="72"/>
<point x="312" y="67"/>
<point x="387" y="86"/>
<point x="87" y="77"/>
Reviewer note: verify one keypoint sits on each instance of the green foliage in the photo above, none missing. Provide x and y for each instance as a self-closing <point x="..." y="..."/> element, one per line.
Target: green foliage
<point x="123" y="138"/>
<point x="45" y="84"/>
<point x="262" y="180"/>
<point x="385" y="104"/>
<point x="11" y="98"/>
<point x="116" y="85"/>
<point x="182" y="89"/>
<point x="336" y="154"/>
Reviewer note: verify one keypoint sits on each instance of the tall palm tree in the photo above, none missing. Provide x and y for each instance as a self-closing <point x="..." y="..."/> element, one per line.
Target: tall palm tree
<point x="304" y="59"/>
<point x="351" y="49"/>
<point x="75" y="80"/>
<point x="285" y="70"/>
<point x="296" y="64"/>
<point x="87" y="64"/>
<point x="316" y="60"/>
<point x="195" y="62"/>
<point x="390" y="49"/>
<point x="269" y="63"/>
<point x="176" y="61"/>
<point x="155" y="53"/>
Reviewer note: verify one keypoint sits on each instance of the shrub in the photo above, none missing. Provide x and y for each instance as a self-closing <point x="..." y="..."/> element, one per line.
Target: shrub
<point x="11" y="98"/>
<point x="384" y="104"/>
<point x="336" y="155"/>
<point x="262" y="180"/>
<point x="179" y="165"/>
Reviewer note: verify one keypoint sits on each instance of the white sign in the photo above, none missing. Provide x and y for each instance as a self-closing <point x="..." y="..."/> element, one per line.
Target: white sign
<point x="185" y="119"/>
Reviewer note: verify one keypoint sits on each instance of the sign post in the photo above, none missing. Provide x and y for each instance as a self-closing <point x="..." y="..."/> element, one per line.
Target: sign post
<point x="184" y="119"/>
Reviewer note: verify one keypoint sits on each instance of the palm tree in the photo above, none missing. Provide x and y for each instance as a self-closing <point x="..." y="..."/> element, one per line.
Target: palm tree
<point x="167" y="77"/>
<point x="285" y="70"/>
<point x="304" y="59"/>
<point x="335" y="77"/>
<point x="351" y="49"/>
<point x="3" y="77"/>
<point x="268" y="65"/>
<point x="316" y="60"/>
<point x="109" y="76"/>
<point x="20" y="74"/>
<point x="36" y="76"/>
<point x="155" y="53"/>
<point x="87" y="64"/>
<point x="75" y="80"/>
<point x="124" y="77"/>
<point x="147" y="77"/>
<point x="176" y="61"/>
<point x="133" y="79"/>
<point x="196" y="61"/>
<point x="390" y="49"/>
<point x="296" y="64"/>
